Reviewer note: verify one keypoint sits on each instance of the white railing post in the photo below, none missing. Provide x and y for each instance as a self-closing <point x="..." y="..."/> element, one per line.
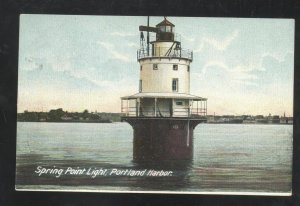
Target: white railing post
<point x="128" y="108"/>
<point x="206" y="108"/>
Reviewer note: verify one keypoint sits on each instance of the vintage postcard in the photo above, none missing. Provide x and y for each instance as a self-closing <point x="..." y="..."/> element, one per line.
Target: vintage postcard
<point x="155" y="104"/>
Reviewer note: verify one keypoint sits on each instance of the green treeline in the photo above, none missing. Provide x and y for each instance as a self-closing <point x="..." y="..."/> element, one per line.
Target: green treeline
<point x="58" y="115"/>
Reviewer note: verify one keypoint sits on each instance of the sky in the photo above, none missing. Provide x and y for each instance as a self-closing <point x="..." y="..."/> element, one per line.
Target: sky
<point x="243" y="66"/>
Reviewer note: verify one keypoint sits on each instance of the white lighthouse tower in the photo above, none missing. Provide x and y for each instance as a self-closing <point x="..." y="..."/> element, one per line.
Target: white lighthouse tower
<point x="163" y="113"/>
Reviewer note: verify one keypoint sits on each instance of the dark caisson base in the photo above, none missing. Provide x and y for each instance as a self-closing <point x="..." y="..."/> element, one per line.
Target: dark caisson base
<point x="162" y="138"/>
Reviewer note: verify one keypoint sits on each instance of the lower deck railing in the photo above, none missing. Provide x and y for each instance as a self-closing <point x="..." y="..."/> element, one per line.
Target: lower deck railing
<point x="151" y="112"/>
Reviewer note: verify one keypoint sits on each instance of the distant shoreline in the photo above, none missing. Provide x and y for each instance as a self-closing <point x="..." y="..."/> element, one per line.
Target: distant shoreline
<point x="61" y="116"/>
<point x="79" y="121"/>
<point x="251" y="123"/>
<point x="120" y="121"/>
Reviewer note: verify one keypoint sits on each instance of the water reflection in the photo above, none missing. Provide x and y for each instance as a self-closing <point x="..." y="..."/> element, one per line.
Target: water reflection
<point x="167" y="175"/>
<point x="184" y="165"/>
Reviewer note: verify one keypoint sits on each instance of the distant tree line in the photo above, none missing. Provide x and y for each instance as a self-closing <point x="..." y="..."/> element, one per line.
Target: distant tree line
<point x="58" y="115"/>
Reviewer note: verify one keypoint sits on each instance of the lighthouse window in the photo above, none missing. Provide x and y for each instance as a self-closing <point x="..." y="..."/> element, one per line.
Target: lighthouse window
<point x="162" y="28"/>
<point x="141" y="68"/>
<point x="140" y="86"/>
<point x="155" y="67"/>
<point x="188" y="68"/>
<point x="175" y="85"/>
<point x="175" y="67"/>
<point x="179" y="103"/>
<point x="168" y="28"/>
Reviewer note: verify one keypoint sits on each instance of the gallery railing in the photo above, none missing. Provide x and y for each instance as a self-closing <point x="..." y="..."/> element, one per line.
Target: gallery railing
<point x="164" y="52"/>
<point x="151" y="112"/>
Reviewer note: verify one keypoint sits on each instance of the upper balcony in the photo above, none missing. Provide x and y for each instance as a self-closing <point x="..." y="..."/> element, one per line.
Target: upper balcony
<point x="162" y="52"/>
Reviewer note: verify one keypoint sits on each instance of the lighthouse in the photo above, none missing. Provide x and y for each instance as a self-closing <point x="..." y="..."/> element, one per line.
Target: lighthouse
<point x="163" y="114"/>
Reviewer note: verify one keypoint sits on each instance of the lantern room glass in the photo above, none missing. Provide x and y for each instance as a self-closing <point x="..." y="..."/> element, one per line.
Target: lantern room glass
<point x="165" y="28"/>
<point x="168" y="29"/>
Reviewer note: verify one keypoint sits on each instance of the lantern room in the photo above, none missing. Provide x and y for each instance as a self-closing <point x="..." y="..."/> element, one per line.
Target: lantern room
<point x="165" y="31"/>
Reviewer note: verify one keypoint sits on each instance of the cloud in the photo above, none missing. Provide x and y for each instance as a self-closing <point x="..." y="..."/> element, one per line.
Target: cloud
<point x="278" y="57"/>
<point x="91" y="75"/>
<point x="97" y="79"/>
<point x="132" y="44"/>
<point x="106" y="45"/>
<point x="286" y="57"/>
<point x="220" y="45"/>
<point x="217" y="64"/>
<point x="245" y="82"/>
<point x="268" y="62"/>
<point x="190" y="39"/>
<point x="115" y="54"/>
<point x="263" y="69"/>
<point x="239" y="74"/>
<point x="123" y="34"/>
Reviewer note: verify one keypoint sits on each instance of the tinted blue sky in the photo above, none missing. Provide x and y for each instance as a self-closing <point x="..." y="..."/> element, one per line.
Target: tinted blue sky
<point x="243" y="66"/>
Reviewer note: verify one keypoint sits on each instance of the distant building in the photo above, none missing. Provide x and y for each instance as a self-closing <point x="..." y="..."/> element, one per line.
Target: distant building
<point x="66" y="118"/>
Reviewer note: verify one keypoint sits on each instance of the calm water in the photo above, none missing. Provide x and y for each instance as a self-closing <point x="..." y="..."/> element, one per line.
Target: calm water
<point x="227" y="158"/>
